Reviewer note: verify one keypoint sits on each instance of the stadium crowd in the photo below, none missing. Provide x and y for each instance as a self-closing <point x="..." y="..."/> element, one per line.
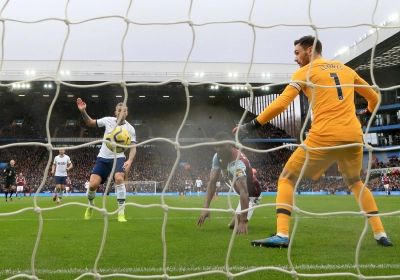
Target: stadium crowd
<point x="155" y="163"/>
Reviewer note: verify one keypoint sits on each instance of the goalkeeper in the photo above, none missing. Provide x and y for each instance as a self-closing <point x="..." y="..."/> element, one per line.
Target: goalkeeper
<point x="246" y="185"/>
<point x="334" y="123"/>
<point x="105" y="158"/>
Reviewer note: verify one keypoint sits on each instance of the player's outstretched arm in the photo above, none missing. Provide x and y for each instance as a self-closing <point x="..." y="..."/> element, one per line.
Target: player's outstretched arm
<point x="211" y="187"/>
<point x="82" y="108"/>
<point x="245" y="129"/>
<point x="241" y="185"/>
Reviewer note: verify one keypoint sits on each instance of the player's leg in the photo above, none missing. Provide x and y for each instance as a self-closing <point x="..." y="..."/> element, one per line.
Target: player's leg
<point x="60" y="193"/>
<point x="253" y="201"/>
<point x="6" y="190"/>
<point x="57" y="181"/>
<point x="350" y="164"/>
<point x="94" y="182"/>
<point x="318" y="162"/>
<point x="120" y="189"/>
<point x="62" y="182"/>
<point x="12" y="190"/>
<point x="98" y="175"/>
<point x="66" y="191"/>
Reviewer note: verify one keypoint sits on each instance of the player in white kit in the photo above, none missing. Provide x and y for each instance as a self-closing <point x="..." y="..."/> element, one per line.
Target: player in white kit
<point x="61" y="165"/>
<point x="105" y="158"/>
<point x="198" y="184"/>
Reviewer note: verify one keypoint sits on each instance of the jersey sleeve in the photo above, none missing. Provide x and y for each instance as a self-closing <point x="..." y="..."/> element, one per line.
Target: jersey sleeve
<point x="101" y="122"/>
<point x="367" y="92"/>
<point x="240" y="169"/>
<point x="132" y="133"/>
<point x="280" y="104"/>
<point x="215" y="164"/>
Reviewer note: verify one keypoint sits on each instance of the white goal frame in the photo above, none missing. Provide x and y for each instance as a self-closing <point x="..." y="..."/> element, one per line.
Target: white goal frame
<point x="149" y="184"/>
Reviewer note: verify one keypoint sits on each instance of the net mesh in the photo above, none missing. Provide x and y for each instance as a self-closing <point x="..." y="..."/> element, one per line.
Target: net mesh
<point x="50" y="147"/>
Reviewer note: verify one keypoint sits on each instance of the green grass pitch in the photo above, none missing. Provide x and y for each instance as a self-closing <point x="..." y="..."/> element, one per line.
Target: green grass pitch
<point x="69" y="245"/>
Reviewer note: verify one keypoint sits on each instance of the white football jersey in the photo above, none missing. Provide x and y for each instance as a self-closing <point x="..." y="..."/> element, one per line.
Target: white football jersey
<point x="109" y="123"/>
<point x="61" y="164"/>
<point x="199" y="183"/>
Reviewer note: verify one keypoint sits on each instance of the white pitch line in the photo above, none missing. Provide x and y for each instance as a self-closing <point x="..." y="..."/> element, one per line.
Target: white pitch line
<point x="308" y="267"/>
<point x="188" y="218"/>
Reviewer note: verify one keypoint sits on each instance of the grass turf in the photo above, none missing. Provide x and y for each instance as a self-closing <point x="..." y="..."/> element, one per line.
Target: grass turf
<point x="69" y="245"/>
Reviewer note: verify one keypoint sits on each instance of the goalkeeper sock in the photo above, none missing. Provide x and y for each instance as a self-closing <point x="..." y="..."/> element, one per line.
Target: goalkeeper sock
<point x="120" y="192"/>
<point x="283" y="213"/>
<point x="369" y="206"/>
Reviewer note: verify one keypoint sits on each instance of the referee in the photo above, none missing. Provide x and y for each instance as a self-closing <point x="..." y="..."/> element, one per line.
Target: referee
<point x="10" y="175"/>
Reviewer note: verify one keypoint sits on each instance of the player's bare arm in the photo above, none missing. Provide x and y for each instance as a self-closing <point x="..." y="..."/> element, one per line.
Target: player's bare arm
<point x="82" y="108"/>
<point x="241" y="189"/>
<point x="211" y="187"/>
<point x="132" y="154"/>
<point x="70" y="166"/>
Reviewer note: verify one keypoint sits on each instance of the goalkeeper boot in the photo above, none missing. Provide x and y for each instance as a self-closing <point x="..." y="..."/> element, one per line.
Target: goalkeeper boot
<point x="88" y="213"/>
<point x="273" y="241"/>
<point x="54" y="197"/>
<point x="384" y="241"/>
<point x="121" y="218"/>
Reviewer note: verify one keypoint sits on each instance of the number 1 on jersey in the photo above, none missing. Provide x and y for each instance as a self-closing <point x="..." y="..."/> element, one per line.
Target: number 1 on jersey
<point x="337" y="83"/>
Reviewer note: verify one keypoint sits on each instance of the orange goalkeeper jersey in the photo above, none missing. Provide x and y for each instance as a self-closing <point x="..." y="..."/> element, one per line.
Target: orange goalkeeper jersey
<point x="334" y="113"/>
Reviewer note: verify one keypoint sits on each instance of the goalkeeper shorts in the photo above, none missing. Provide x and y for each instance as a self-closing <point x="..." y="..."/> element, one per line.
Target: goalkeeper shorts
<point x="349" y="160"/>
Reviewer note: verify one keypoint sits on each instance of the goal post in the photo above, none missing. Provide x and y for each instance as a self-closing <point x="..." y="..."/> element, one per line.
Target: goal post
<point x="135" y="187"/>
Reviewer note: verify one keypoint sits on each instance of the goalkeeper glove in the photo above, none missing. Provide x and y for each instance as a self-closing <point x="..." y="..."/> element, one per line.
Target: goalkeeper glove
<point x="365" y="112"/>
<point x="246" y="128"/>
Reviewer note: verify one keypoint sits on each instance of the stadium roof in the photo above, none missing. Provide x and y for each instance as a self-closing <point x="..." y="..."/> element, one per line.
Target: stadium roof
<point x="386" y="59"/>
<point x="200" y="75"/>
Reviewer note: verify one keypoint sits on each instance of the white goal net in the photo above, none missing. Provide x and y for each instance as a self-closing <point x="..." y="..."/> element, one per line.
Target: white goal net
<point x="260" y="21"/>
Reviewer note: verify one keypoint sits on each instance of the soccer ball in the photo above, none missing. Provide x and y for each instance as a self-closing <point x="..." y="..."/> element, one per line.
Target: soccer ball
<point x="119" y="135"/>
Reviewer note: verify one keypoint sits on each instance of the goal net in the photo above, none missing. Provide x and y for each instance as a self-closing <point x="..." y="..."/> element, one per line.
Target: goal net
<point x="141" y="187"/>
<point x="263" y="27"/>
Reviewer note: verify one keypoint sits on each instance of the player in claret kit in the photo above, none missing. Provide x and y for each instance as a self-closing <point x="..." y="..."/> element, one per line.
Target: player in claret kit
<point x="246" y="185"/>
<point x="21" y="182"/>
<point x="105" y="158"/>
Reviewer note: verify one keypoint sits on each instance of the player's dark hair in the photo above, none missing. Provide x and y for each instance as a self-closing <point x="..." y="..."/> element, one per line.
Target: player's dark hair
<point x="222" y="135"/>
<point x="308" y="41"/>
<point x="122" y="104"/>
